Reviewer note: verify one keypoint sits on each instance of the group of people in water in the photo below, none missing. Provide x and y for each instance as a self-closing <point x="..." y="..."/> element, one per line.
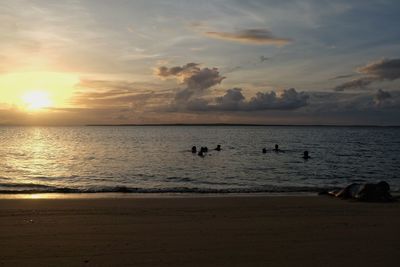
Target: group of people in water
<point x="379" y="192"/>
<point x="278" y="150"/>
<point x="203" y="150"/>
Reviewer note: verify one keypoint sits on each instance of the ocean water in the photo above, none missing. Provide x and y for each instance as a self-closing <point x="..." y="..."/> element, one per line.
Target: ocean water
<point x="157" y="159"/>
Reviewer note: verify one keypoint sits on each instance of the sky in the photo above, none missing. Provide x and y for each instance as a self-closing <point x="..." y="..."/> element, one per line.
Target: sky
<point x="219" y="61"/>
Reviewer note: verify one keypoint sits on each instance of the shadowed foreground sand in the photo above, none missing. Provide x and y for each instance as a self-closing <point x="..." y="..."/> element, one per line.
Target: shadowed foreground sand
<point x="205" y="231"/>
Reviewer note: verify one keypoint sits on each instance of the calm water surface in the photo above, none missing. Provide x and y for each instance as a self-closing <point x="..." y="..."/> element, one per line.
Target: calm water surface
<point x="158" y="158"/>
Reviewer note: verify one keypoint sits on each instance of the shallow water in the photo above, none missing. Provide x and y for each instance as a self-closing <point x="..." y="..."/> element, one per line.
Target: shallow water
<point x="158" y="158"/>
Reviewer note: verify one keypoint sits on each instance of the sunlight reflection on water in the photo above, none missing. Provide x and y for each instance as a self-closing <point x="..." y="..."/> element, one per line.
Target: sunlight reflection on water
<point x="158" y="159"/>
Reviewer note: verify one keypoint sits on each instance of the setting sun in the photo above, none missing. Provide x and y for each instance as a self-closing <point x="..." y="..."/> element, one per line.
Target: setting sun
<point x="35" y="100"/>
<point x="37" y="90"/>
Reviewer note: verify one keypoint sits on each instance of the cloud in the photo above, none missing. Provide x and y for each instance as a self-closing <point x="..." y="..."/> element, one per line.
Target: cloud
<point x="381" y="97"/>
<point x="378" y="71"/>
<point x="120" y="101"/>
<point x="125" y="101"/>
<point x="385" y="69"/>
<point x="110" y="98"/>
<point x="117" y="94"/>
<point x="290" y="99"/>
<point x="185" y="70"/>
<point x="345" y="76"/>
<point x="233" y="100"/>
<point x="204" y="79"/>
<point x="195" y="96"/>
<point x="196" y="79"/>
<point x="264" y="58"/>
<point x="354" y="84"/>
<point x="350" y="103"/>
<point x="251" y="36"/>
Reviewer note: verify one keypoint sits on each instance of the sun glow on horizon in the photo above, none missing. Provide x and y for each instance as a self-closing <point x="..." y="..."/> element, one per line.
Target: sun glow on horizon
<point x="35" y="91"/>
<point x="36" y="100"/>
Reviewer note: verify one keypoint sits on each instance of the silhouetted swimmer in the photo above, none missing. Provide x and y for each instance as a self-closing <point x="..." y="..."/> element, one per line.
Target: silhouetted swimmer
<point x="276" y="149"/>
<point x="203" y="151"/>
<point x="264" y="150"/>
<point x="305" y="155"/>
<point x="194" y="149"/>
<point x="218" y="148"/>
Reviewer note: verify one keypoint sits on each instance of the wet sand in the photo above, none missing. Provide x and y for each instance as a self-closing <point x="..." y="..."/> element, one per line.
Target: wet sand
<point x="199" y="231"/>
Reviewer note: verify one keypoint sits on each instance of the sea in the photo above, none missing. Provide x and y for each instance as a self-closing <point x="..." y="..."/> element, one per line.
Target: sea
<point x="158" y="159"/>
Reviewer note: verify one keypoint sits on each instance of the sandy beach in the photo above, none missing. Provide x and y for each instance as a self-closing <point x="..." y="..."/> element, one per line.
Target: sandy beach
<point x="198" y="231"/>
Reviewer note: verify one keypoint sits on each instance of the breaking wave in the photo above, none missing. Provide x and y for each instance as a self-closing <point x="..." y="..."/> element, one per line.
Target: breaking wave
<point x="39" y="188"/>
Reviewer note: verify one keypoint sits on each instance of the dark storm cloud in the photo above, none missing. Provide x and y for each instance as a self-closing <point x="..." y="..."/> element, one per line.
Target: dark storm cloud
<point x="251" y="36"/>
<point x="382" y="70"/>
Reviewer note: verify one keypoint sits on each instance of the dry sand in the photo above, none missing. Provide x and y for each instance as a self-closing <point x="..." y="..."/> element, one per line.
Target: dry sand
<point x="204" y="231"/>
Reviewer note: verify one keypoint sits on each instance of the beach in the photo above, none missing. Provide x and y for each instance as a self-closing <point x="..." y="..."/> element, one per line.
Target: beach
<point x="198" y="231"/>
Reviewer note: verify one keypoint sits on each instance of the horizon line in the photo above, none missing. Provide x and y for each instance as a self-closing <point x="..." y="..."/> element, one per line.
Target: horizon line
<point x="195" y="124"/>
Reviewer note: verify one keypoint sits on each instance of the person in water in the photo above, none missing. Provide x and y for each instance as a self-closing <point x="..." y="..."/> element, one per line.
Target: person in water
<point x="218" y="148"/>
<point x="264" y="150"/>
<point x="194" y="149"/>
<point x="305" y="155"/>
<point x="276" y="149"/>
<point x="203" y="151"/>
<point x="369" y="192"/>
